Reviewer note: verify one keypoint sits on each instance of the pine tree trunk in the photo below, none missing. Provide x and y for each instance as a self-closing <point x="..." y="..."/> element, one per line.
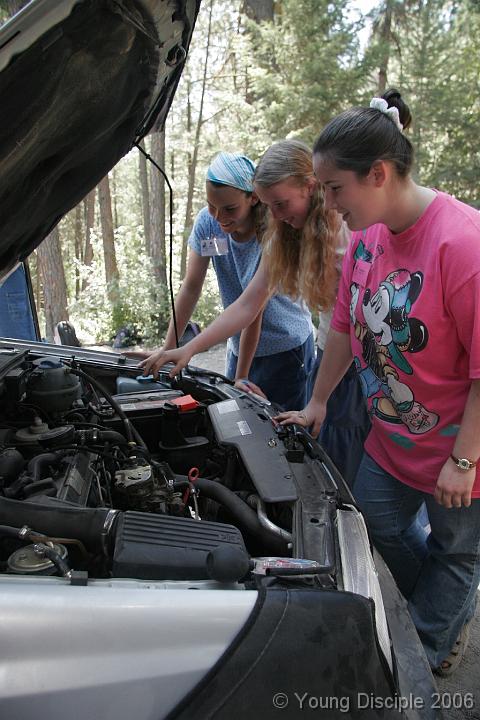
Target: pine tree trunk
<point x="421" y="111"/>
<point x="51" y="270"/>
<point x="193" y="163"/>
<point x="114" y="198"/>
<point x="78" y="248"/>
<point x="259" y="10"/>
<point x="386" y="39"/>
<point x="110" y="259"/>
<point x="89" y="214"/>
<point x="145" y="198"/>
<point x="157" y="210"/>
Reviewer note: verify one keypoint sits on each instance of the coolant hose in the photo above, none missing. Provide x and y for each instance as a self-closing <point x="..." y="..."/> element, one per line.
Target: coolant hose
<point x="246" y="517"/>
<point x="85" y="437"/>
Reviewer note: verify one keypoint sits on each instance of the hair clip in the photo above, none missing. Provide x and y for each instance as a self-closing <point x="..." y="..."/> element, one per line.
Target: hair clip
<point x="392" y="112"/>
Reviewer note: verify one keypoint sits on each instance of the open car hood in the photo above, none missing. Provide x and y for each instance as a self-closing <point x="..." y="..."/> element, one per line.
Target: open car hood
<point x="80" y="82"/>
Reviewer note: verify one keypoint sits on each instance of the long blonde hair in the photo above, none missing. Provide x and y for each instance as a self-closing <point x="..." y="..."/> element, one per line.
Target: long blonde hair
<point x="301" y="263"/>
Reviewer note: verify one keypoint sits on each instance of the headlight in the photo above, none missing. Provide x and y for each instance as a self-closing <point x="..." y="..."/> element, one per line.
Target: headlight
<point x="359" y="572"/>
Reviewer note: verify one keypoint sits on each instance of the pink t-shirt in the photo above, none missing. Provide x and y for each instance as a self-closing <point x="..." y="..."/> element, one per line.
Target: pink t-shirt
<point x="411" y="303"/>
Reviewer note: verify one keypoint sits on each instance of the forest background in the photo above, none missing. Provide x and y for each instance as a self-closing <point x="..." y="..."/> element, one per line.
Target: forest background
<point x="257" y="71"/>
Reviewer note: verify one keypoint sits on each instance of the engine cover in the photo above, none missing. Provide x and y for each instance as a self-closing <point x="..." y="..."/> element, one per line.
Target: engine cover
<point x="239" y="423"/>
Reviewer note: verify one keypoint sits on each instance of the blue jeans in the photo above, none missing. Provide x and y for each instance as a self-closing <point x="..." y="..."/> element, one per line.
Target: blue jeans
<point x="346" y="425"/>
<point x="283" y="377"/>
<point x="438" y="572"/>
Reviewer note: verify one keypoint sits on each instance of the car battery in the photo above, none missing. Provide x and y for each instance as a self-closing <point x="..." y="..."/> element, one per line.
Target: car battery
<point x="181" y="442"/>
<point x="168" y="421"/>
<point x="148" y="401"/>
<point x="143" y="408"/>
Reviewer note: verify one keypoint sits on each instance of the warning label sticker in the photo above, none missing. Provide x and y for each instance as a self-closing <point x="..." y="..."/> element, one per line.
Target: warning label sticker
<point x="244" y="427"/>
<point x="227" y="406"/>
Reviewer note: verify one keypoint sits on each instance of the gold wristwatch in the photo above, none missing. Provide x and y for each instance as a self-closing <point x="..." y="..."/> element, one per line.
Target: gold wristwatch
<point x="463" y="463"/>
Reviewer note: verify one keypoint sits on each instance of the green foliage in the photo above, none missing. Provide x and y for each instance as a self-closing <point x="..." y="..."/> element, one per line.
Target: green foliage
<point x="272" y="80"/>
<point x="209" y="305"/>
<point x="141" y="304"/>
<point x="434" y="67"/>
<point x="306" y="66"/>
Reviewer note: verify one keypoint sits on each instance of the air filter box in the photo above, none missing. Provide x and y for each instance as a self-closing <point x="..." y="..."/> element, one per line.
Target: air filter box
<point x="160" y="547"/>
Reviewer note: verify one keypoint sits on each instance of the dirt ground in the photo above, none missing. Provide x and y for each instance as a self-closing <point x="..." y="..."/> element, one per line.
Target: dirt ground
<point x="459" y="696"/>
<point x="213" y="359"/>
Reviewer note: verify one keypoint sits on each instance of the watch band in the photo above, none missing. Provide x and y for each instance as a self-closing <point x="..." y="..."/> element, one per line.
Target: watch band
<point x="464" y="463"/>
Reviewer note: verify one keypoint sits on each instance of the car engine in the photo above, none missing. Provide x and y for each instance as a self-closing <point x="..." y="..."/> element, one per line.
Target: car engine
<point x="107" y="474"/>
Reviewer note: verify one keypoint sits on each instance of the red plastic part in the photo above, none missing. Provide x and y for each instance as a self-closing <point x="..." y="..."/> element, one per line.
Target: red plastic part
<point x="187" y="402"/>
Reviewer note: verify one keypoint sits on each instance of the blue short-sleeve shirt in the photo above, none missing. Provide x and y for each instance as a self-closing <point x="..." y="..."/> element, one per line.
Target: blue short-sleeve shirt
<point x="285" y="324"/>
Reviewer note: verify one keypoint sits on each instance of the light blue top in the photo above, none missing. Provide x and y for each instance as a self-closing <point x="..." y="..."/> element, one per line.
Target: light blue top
<point x="286" y="324"/>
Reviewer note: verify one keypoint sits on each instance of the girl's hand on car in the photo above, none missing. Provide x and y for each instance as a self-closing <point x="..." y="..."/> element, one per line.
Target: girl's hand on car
<point x="312" y="416"/>
<point x="249" y="387"/>
<point x="178" y="356"/>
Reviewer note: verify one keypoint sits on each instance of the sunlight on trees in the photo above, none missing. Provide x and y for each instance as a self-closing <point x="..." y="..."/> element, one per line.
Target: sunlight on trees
<point x="258" y="72"/>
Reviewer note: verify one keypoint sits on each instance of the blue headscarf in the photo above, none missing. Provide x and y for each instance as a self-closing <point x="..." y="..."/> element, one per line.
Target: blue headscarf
<point x="231" y="169"/>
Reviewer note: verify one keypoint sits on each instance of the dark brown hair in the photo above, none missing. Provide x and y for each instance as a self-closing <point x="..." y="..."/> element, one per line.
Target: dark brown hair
<point x="358" y="137"/>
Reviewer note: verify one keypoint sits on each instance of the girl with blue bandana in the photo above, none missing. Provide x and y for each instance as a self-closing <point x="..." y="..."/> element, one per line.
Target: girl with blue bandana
<point x="275" y="353"/>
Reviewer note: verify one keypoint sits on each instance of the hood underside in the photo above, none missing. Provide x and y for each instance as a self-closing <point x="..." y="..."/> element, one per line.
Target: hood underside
<point x="78" y="86"/>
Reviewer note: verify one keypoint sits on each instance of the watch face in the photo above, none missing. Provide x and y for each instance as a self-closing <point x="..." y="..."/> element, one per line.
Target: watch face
<point x="464" y="464"/>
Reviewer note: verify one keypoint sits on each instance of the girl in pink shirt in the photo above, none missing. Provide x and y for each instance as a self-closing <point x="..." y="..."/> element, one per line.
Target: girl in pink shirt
<point x="408" y="314"/>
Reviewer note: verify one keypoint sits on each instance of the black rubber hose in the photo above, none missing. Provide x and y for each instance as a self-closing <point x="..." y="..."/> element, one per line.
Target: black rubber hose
<point x="21" y="533"/>
<point x="33" y="474"/>
<point x="126" y="422"/>
<point x="84" y="524"/>
<point x="247" y="518"/>
<point x="100" y="436"/>
<point x="89" y="437"/>
<point x="112" y="436"/>
<point x="8" y="531"/>
<point x="39" y="462"/>
<point x="12" y="463"/>
<point x="46" y="487"/>
<point x="56" y="559"/>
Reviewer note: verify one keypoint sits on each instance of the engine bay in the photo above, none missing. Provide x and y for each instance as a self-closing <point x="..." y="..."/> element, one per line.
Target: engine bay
<point x="104" y="474"/>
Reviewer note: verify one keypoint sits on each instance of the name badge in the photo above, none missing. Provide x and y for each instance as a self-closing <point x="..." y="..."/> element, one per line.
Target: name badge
<point x="360" y="272"/>
<point x="214" y="246"/>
